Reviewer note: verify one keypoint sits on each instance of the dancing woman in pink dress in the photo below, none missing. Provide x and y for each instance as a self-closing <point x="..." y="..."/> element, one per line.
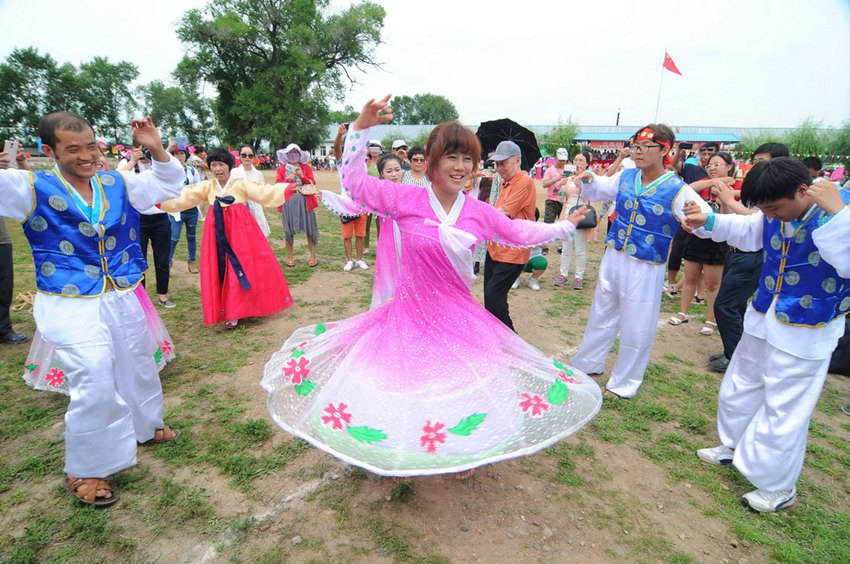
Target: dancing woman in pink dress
<point x="429" y="382"/>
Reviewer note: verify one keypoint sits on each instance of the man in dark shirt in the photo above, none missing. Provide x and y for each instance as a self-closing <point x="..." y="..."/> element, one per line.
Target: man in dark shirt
<point x="691" y="172"/>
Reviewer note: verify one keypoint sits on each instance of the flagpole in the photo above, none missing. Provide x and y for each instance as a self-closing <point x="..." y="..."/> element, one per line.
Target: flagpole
<point x="660" y="82"/>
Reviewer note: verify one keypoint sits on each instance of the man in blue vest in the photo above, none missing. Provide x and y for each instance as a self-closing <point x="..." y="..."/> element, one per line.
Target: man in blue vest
<point x="649" y="201"/>
<point x="793" y="324"/>
<point x="83" y="227"/>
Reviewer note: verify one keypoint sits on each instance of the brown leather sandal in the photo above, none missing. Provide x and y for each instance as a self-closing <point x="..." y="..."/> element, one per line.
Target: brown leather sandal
<point x="91" y="491"/>
<point x="162" y="435"/>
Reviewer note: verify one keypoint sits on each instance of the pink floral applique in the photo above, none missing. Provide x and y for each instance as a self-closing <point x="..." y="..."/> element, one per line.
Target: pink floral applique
<point x="336" y="416"/>
<point x="166" y="347"/>
<point x="568" y="379"/>
<point x="533" y="403"/>
<point x="296" y="370"/>
<point x="55" y="377"/>
<point x="432" y="436"/>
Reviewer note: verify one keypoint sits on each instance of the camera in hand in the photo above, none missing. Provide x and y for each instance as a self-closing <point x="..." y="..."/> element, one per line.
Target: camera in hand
<point x="146" y="153"/>
<point x="686" y="145"/>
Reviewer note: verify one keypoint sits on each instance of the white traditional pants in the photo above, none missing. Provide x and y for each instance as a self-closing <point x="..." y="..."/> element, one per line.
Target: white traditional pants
<point x="107" y="354"/>
<point x="579" y="243"/>
<point x="626" y="301"/>
<point x="766" y="400"/>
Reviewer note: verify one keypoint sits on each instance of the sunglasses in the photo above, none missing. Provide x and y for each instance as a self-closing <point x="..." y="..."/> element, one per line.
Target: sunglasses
<point x="708" y="150"/>
<point x="417" y="160"/>
<point x="247" y="155"/>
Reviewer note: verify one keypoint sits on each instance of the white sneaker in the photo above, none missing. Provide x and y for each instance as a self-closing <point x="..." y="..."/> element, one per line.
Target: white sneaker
<point x="349" y="266"/>
<point x="516" y="284"/>
<point x="719" y="455"/>
<point x="534" y="284"/>
<point x="362" y="265"/>
<point x="764" y="501"/>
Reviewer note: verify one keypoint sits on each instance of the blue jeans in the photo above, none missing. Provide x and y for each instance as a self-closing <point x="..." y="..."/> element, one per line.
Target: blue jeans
<point x="190" y="218"/>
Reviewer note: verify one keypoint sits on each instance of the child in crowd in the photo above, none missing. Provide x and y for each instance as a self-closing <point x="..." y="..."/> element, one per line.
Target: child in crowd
<point x="793" y="324"/>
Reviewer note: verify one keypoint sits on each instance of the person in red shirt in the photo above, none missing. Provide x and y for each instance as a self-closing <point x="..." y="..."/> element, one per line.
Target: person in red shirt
<point x="299" y="214"/>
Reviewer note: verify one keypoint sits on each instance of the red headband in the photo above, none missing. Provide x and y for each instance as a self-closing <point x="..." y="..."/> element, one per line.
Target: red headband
<point x="647" y="134"/>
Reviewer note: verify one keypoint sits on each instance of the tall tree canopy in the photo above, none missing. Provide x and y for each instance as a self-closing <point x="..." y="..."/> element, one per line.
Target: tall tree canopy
<point x="422" y="109"/>
<point x="33" y="85"/>
<point x="178" y="110"/>
<point x="277" y="63"/>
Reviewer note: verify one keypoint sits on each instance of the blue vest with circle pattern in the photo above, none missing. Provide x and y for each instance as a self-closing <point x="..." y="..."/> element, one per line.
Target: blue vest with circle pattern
<point x="809" y="291"/>
<point x="644" y="223"/>
<point x="73" y="256"/>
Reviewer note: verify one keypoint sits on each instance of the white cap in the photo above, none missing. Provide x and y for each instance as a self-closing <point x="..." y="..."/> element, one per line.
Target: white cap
<point x="399" y="143"/>
<point x="562" y="154"/>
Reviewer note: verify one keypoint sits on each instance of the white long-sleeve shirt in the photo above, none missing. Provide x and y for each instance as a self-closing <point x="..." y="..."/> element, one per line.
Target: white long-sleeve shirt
<point x="605" y="189"/>
<point x="162" y="182"/>
<point x="833" y="242"/>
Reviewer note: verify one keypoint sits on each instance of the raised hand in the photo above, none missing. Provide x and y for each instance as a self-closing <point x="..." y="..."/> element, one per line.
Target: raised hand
<point x="147" y="135"/>
<point x="21" y="159"/>
<point x="826" y="196"/>
<point x="4" y="161"/>
<point x="375" y="112"/>
<point x="724" y="192"/>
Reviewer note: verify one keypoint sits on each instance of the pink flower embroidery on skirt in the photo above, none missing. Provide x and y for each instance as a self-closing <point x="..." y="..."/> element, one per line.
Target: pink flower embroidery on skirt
<point x="533" y="403"/>
<point x="296" y="370"/>
<point x="336" y="416"/>
<point x="432" y="436"/>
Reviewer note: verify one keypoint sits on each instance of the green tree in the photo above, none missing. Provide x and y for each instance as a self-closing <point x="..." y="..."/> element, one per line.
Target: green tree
<point x="840" y="146"/>
<point x="346" y="115"/>
<point x="562" y="135"/>
<point x="422" y="109"/>
<point x="107" y="101"/>
<point x="749" y="143"/>
<point x="32" y="85"/>
<point x="178" y="111"/>
<point x="277" y="63"/>
<point x="808" y="138"/>
<point x="417" y="141"/>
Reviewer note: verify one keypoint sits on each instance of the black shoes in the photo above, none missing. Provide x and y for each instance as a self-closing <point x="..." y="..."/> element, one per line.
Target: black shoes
<point x="719" y="364"/>
<point x="11" y="337"/>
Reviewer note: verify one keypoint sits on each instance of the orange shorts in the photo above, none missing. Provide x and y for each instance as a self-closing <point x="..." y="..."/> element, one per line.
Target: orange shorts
<point x="356" y="228"/>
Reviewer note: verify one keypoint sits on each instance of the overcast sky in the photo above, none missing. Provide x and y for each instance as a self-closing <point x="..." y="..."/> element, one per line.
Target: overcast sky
<point x="746" y="63"/>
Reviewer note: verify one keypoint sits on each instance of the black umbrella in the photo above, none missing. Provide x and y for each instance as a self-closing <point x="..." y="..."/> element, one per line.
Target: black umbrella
<point x="491" y="133"/>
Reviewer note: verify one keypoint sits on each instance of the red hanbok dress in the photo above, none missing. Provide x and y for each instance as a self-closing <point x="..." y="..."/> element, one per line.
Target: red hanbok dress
<point x="240" y="274"/>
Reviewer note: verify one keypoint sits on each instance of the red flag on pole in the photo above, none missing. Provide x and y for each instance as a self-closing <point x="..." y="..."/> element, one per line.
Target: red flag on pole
<point x="670" y="65"/>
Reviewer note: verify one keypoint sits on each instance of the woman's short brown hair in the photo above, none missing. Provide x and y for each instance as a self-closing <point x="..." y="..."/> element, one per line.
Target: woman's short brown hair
<point x="447" y="138"/>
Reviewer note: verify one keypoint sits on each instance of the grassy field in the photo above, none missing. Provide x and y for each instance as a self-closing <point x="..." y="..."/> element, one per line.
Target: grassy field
<point x="225" y="483"/>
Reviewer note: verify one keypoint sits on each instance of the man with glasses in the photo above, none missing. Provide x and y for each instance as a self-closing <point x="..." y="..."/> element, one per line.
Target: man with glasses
<point x="649" y="205"/>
